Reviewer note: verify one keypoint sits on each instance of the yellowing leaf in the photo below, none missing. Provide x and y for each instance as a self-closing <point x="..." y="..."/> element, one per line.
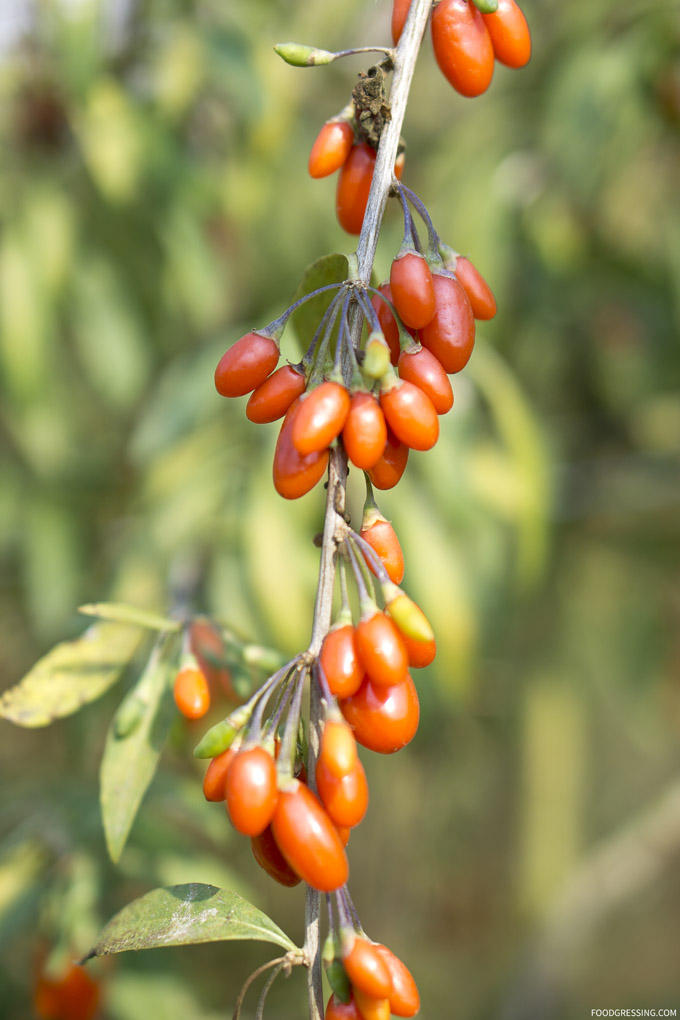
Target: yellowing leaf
<point x="72" y="675"/>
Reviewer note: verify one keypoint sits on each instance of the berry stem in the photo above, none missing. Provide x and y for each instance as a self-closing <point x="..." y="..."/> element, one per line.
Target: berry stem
<point x="404" y="59"/>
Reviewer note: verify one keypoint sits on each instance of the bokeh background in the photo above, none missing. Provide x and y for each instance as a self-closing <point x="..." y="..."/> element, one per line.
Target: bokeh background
<point x="522" y="854"/>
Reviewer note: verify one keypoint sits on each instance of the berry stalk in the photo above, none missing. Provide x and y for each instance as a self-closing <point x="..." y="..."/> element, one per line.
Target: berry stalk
<point x="405" y="57"/>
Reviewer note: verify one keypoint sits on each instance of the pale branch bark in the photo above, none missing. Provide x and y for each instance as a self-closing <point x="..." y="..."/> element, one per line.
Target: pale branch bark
<point x="405" y="57"/>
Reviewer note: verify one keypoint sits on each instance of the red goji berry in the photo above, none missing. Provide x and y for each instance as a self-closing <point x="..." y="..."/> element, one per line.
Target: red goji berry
<point x="462" y="46"/>
<point x="331" y="148"/>
<point x="273" y="397"/>
<point x="450" y="336"/>
<point x="412" y="289"/>
<point x="246" y="364"/>
<point x="251" y="791"/>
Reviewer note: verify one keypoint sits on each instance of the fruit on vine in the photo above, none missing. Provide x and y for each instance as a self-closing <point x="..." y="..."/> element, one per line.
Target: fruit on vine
<point x="345" y="798"/>
<point x="215" y="778"/>
<point x="371" y="1008"/>
<point x="272" y="398"/>
<point x="354" y="184"/>
<point x="340" y="661"/>
<point x="412" y="289"/>
<point x="331" y="148"/>
<point x="391" y="466"/>
<point x="269" y="857"/>
<point x="338" y="750"/>
<point x="337" y="1010"/>
<point x="410" y="414"/>
<point x="404" y="997"/>
<point x="388" y="323"/>
<point x="384" y="719"/>
<point x="191" y="692"/>
<point x="320" y="417"/>
<point x="246" y="364"/>
<point x="509" y="34"/>
<point x="382" y="537"/>
<point x="208" y="647"/>
<point x="420" y="367"/>
<point x="450" y="336"/>
<point x="400" y="9"/>
<point x="294" y="475"/>
<point x="462" y="46"/>
<point x="308" y="839"/>
<point x="251" y="791"/>
<point x="72" y="995"/>
<point x="365" y="433"/>
<point x="420" y="653"/>
<point x="477" y="289"/>
<point x="365" y="968"/>
<point x="381" y="650"/>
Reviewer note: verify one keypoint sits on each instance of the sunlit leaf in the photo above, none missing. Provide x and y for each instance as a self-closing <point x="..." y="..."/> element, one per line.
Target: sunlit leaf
<point x="72" y="675"/>
<point x="134" y="743"/>
<point x="184" y="915"/>
<point x="326" y="270"/>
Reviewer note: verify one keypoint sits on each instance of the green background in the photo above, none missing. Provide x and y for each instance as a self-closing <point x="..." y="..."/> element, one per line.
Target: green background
<point x="521" y="855"/>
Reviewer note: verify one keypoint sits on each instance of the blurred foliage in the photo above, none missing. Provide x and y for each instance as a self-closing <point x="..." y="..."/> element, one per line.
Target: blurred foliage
<point x="154" y="205"/>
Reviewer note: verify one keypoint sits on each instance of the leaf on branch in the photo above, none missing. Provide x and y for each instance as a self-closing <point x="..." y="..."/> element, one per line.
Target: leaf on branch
<point x="73" y="674"/>
<point x="328" y="269"/>
<point x="134" y="743"/>
<point x="183" y="915"/>
<point x="119" y="612"/>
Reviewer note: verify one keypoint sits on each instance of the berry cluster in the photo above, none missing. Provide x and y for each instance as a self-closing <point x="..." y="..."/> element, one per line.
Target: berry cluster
<point x="384" y="398"/>
<point x="468" y="36"/>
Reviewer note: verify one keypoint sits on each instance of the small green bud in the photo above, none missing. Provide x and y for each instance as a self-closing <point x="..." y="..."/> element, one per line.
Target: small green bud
<point x="220" y="737"/>
<point x="339" y="982"/>
<point x="377" y="356"/>
<point x="486" y="6"/>
<point x="303" y="56"/>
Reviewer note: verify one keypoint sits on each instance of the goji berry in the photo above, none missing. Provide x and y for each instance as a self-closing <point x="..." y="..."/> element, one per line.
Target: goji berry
<point x="365" y="433"/>
<point x="509" y="33"/>
<point x="345" y="798"/>
<point x="320" y="417"/>
<point x="410" y="414"/>
<point x="404" y="997"/>
<point x="191" y="693"/>
<point x="337" y="1010"/>
<point x="246" y="364"/>
<point x="477" y="289"/>
<point x="251" y="791"/>
<point x="462" y="46"/>
<point x="338" y="750"/>
<point x="340" y="661"/>
<point x="308" y="839"/>
<point x="294" y="475"/>
<point x="382" y="537"/>
<point x="420" y="653"/>
<point x="391" y="466"/>
<point x="381" y="650"/>
<point x="273" y="397"/>
<point x="384" y="719"/>
<point x="331" y="148"/>
<point x="73" y="995"/>
<point x="269" y="857"/>
<point x="400" y="9"/>
<point x="365" y="967"/>
<point x="421" y="368"/>
<point x="214" y="780"/>
<point x="412" y="289"/>
<point x="354" y="184"/>
<point x="450" y="336"/>
<point x="371" y="1008"/>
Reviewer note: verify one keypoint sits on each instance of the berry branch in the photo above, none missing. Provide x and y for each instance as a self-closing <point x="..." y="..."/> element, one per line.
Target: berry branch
<point x="404" y="60"/>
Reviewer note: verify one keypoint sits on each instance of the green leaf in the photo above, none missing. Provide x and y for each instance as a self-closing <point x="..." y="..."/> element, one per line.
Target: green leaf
<point x="326" y="270"/>
<point x="119" y="612"/>
<point x="134" y="743"/>
<point x="73" y="674"/>
<point x="184" y="915"/>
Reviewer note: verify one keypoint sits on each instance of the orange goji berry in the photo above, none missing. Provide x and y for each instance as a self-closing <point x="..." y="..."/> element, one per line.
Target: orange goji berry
<point x="272" y="398"/>
<point x="410" y="414"/>
<point x="365" y="433"/>
<point x="340" y="661"/>
<point x="251" y="791"/>
<point x="391" y="466"/>
<point x="331" y="148"/>
<point x="404" y="997"/>
<point x="294" y="475"/>
<point x="477" y="289"/>
<point x="308" y="840"/>
<point x="509" y="33"/>
<point x="366" y="969"/>
<point x="269" y="857"/>
<point x="384" y="719"/>
<point x="320" y="417"/>
<point x="191" y="692"/>
<point x="214" y="780"/>
<point x="420" y="367"/>
<point x="246" y="364"/>
<point x="462" y="46"/>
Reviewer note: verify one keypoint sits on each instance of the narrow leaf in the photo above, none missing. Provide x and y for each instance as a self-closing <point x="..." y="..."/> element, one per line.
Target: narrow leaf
<point x="73" y="674"/>
<point x="182" y="915"/>
<point x="121" y="613"/>
<point x="134" y="742"/>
